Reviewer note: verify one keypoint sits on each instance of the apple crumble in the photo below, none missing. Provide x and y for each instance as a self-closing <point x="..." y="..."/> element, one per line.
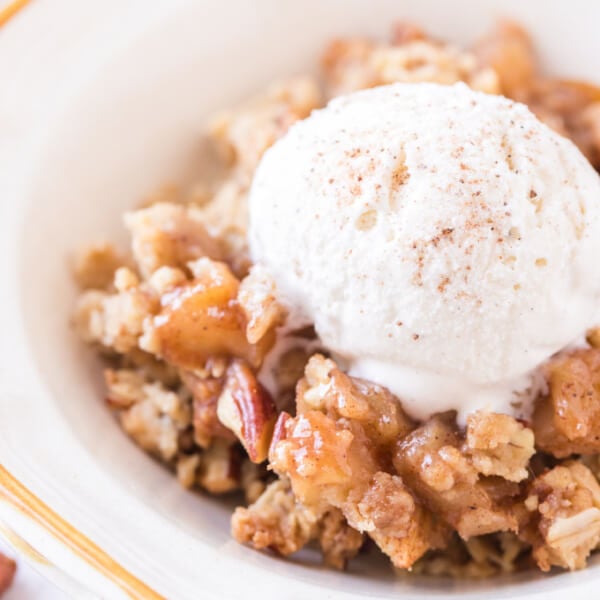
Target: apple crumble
<point x="204" y="372"/>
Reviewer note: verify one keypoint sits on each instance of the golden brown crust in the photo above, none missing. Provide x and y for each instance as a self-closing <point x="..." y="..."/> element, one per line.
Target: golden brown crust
<point x="431" y="463"/>
<point x="275" y="521"/>
<point x="169" y="235"/>
<point x="326" y="388"/>
<point x="564" y="519"/>
<point x="568" y="420"/>
<point x="499" y="445"/>
<point x="335" y="452"/>
<point x="115" y="321"/>
<point x="151" y="414"/>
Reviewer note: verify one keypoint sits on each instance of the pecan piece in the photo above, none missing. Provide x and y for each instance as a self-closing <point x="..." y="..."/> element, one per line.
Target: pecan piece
<point x="246" y="408"/>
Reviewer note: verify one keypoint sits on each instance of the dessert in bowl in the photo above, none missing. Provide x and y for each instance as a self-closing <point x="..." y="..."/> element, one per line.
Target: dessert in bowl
<point x="78" y="460"/>
<point x="381" y="321"/>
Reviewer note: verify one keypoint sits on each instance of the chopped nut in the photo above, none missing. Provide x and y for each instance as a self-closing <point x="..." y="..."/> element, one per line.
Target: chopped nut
<point x="499" y="445"/>
<point x="247" y="409"/>
<point x="565" y="523"/>
<point x="279" y="431"/>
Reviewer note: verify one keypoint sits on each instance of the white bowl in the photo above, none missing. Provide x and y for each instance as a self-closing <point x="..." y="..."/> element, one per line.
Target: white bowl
<point x="76" y="495"/>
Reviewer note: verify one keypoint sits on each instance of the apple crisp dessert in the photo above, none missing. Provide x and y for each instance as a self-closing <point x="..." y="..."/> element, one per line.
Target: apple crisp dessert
<point x="203" y="374"/>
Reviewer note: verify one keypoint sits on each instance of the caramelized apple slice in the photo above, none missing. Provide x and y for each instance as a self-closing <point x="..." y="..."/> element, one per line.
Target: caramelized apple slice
<point x="202" y="319"/>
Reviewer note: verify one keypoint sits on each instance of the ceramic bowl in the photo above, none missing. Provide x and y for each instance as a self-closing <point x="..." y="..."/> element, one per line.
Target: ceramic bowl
<point x="76" y="496"/>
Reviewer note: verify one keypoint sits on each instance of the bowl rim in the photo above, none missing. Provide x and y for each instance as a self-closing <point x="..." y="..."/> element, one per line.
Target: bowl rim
<point x="11" y="10"/>
<point x="21" y="499"/>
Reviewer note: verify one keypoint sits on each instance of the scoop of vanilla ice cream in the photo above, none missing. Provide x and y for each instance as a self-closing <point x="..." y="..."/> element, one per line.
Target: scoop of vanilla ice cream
<point x="443" y="242"/>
